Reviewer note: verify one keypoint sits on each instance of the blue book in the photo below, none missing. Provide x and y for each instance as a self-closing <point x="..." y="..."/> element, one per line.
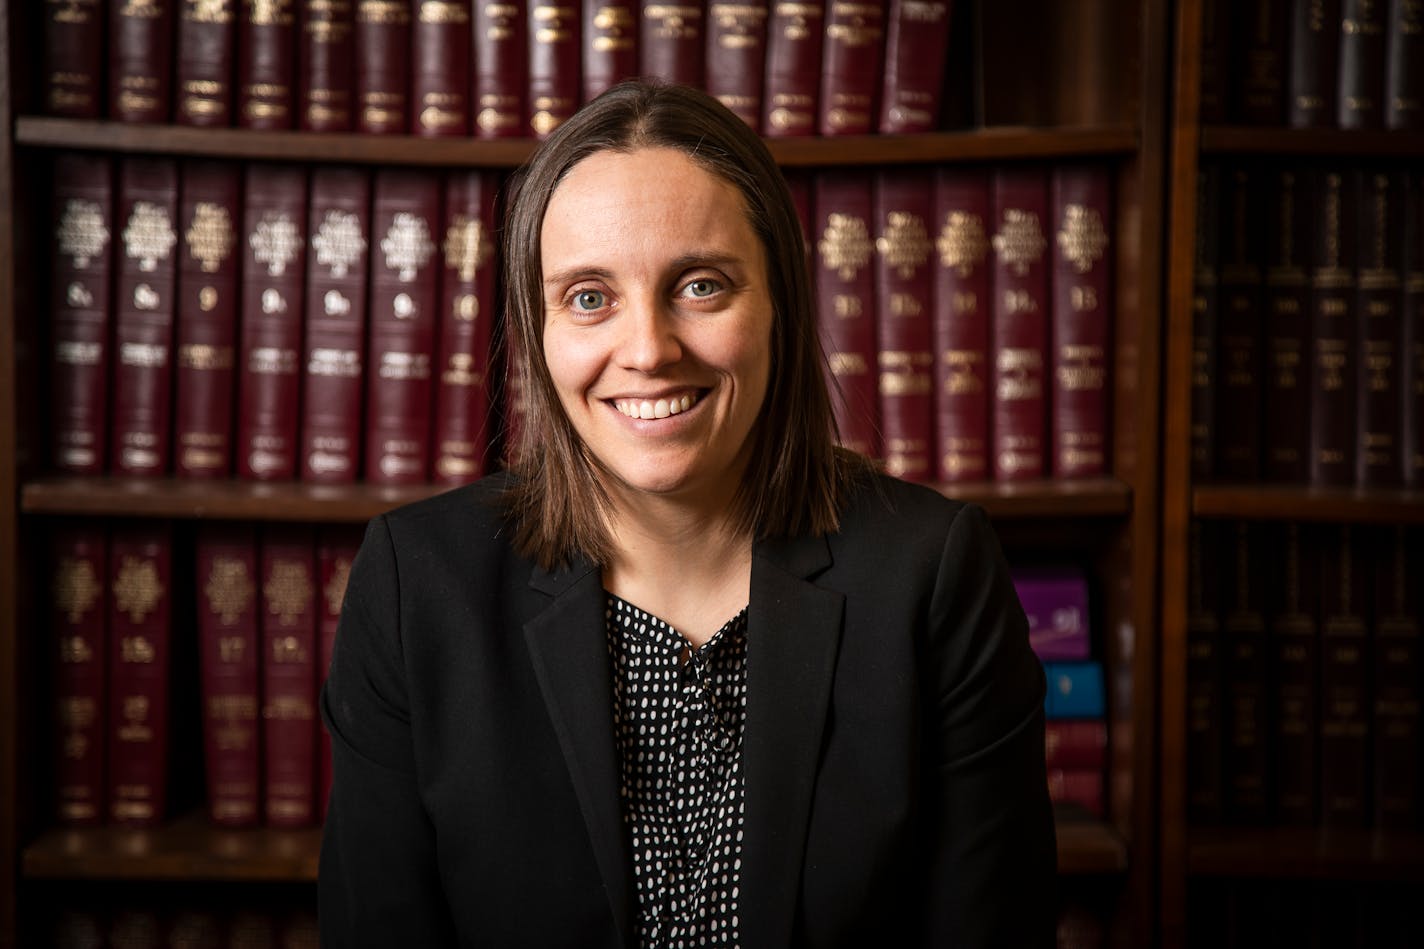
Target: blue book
<point x="1075" y="690"/>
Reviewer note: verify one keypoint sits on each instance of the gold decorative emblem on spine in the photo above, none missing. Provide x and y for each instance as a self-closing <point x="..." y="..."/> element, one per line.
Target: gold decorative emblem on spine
<point x="615" y="28"/>
<point x="141" y="9"/>
<point x="229" y="589"/>
<point x="1082" y="238"/>
<point x="1019" y="242"/>
<point x="81" y="233"/>
<point x="76" y="12"/>
<point x="335" y="591"/>
<point x="275" y="242"/>
<point x="269" y="12"/>
<point x="383" y="11"/>
<point x="407" y="245"/>
<point x="288" y="590"/>
<point x="904" y="244"/>
<point x="845" y="245"/>
<point x="137" y="589"/>
<point x="962" y="243"/>
<point x="76" y="588"/>
<point x="443" y="12"/>
<point x="467" y="246"/>
<point x="210" y="236"/>
<point x="208" y="11"/>
<point x="339" y="242"/>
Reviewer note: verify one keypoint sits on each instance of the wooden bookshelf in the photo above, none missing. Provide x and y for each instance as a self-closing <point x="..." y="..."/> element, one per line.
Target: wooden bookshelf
<point x="1306" y="503"/>
<point x="1353" y="143"/>
<point x="1306" y="853"/>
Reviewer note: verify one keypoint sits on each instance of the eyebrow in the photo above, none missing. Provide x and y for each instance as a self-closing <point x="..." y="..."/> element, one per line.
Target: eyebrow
<point x="719" y="259"/>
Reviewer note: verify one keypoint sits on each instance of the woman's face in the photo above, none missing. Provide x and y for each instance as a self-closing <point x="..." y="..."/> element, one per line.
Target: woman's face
<point x="657" y="321"/>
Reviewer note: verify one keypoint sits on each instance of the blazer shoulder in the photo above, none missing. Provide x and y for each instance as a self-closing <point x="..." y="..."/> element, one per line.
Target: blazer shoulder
<point x="478" y="504"/>
<point x="880" y="503"/>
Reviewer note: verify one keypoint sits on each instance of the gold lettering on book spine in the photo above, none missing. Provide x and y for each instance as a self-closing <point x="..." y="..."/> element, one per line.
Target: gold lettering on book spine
<point x="389" y="12"/>
<point x="442" y="12"/>
<point x="75" y="588"/>
<point x="81" y="234"/>
<point x="335" y="590"/>
<point x="1019" y="242"/>
<point x="962" y="242"/>
<point x="467" y="247"/>
<point x="73" y="12"/>
<point x="269" y="12"/>
<point x="904" y="244"/>
<point x="407" y="245"/>
<point x="137" y="589"/>
<point x="210" y="235"/>
<point x="148" y="237"/>
<point x="845" y="245"/>
<point x="288" y="591"/>
<point x="208" y="11"/>
<point x="275" y="242"/>
<point x="229" y="589"/>
<point x="339" y="243"/>
<point x="1082" y="239"/>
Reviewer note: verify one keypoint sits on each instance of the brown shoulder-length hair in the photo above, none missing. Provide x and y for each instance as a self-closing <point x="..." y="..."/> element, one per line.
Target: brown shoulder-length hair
<point x="797" y="477"/>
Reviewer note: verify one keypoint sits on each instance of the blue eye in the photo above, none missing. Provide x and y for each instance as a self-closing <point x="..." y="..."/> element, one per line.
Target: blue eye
<point x="702" y="288"/>
<point x="588" y="300"/>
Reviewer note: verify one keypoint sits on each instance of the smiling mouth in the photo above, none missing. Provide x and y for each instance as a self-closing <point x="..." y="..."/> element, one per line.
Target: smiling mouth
<point x="657" y="408"/>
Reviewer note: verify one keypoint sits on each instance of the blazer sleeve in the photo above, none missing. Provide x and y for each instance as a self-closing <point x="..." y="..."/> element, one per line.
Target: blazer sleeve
<point x="378" y="883"/>
<point x="992" y="867"/>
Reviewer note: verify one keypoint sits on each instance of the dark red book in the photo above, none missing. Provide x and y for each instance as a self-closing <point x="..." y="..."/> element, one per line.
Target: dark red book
<point x="610" y="44"/>
<point x="793" y="68"/>
<point x="205" y="55"/>
<point x="1314" y="53"/>
<point x="1081" y="320"/>
<point x="1245" y="662"/>
<point x="136" y="928"/>
<point x="1215" y="61"/>
<point x="1404" y="66"/>
<point x="1398" y="565"/>
<point x="1360" y="102"/>
<point x="140" y="640"/>
<point x="1205" y="701"/>
<point x="79" y="613"/>
<point x="904" y="287"/>
<point x="963" y="217"/>
<point x="326" y="52"/>
<point x="140" y="423"/>
<point x="381" y="47"/>
<point x="335" y="551"/>
<point x="334" y="351"/>
<point x="916" y="40"/>
<point x="845" y="291"/>
<point x="1332" y="328"/>
<point x="1076" y="743"/>
<point x="81" y="312"/>
<point x="229" y="652"/>
<point x="288" y="670"/>
<point x="206" y="320"/>
<point x="1379" y="337"/>
<point x="1018" y="324"/>
<point x="467" y="306"/>
<point x="672" y="41"/>
<point x="404" y="262"/>
<point x="1344" y="678"/>
<point x="1294" y="657"/>
<point x="140" y="60"/>
<point x="266" y="65"/>
<point x="269" y="357"/>
<point x="736" y="57"/>
<point x="501" y="68"/>
<point x="73" y="51"/>
<point x="1412" y="411"/>
<point x="1259" y="53"/>
<point x="1206" y="309"/>
<point x="440" y="85"/>
<point x="555" y="69"/>
<point x="1240" y="326"/>
<point x="1082" y="787"/>
<point x="852" y="67"/>
<point x="513" y="408"/>
<point x="1285" y="446"/>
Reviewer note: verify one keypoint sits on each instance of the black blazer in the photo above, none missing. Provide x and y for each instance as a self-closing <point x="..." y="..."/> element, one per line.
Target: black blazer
<point x="893" y="754"/>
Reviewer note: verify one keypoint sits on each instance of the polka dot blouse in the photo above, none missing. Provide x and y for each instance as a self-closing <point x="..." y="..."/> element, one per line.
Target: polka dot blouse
<point x="678" y="716"/>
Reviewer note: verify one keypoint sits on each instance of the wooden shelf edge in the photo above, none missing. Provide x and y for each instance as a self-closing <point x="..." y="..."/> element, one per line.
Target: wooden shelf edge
<point x="1048" y="498"/>
<point x="1305" y="853"/>
<point x="1311" y="504"/>
<point x="1353" y="143"/>
<point x="1087" y="847"/>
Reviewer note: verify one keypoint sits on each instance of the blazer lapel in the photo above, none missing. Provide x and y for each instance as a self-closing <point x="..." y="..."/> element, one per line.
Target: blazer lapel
<point x="794" y="631"/>
<point x="569" y="648"/>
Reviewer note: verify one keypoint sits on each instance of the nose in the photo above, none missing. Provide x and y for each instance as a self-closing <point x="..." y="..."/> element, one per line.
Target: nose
<point x="650" y="338"/>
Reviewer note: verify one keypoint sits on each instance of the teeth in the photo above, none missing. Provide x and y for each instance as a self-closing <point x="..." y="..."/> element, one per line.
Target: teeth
<point x="662" y="408"/>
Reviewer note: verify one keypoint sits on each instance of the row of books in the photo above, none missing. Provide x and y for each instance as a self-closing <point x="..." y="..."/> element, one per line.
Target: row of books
<point x="1352" y="64"/>
<point x="1308" y="337"/>
<point x="492" y="69"/>
<point x="1304" y="675"/>
<point x="1251" y="914"/>
<point x="269" y="925"/>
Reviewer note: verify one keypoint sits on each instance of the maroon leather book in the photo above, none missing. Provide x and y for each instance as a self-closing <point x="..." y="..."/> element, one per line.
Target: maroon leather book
<point x="904" y="288"/>
<point x="467" y="308"/>
<point x="1260" y="56"/>
<point x="335" y="551"/>
<point x="1314" y="53"/>
<point x="845" y="292"/>
<point x="610" y="44"/>
<point x="334" y="350"/>
<point x="555" y="68"/>
<point x="229" y="650"/>
<point x="963" y="217"/>
<point x="206" y="319"/>
<point x="1206" y="308"/>
<point x="501" y="68"/>
<point x="793" y="68"/>
<point x="513" y="409"/>
<point x="140" y="639"/>
<point x="141" y="423"/>
<point x="140" y="60"/>
<point x="289" y="655"/>
<point x="851" y="67"/>
<point x="1332" y="326"/>
<point x="405" y="258"/>
<point x="1245" y="660"/>
<point x="1082" y="787"/>
<point x="1215" y="60"/>
<point x="1360" y="102"/>
<point x="82" y="223"/>
<point x="1076" y="743"/>
<point x="672" y="41"/>
<point x="382" y="75"/>
<point x="133" y="928"/>
<point x="1294" y="657"/>
<point x="440" y="84"/>
<point x="79" y="615"/>
<point x="326" y="50"/>
<point x="269" y="357"/>
<point x="1285" y="446"/>
<point x="916" y="40"/>
<point x="1404" y="66"/>
<point x="1344" y="678"/>
<point x="1240" y="326"/>
<point x="1379" y="338"/>
<point x="73" y="51"/>
<point x="1399" y="563"/>
<point x="205" y="52"/>
<point x="1019" y="324"/>
<point x="1412" y="413"/>
<point x="1081" y="320"/>
<point x="736" y="57"/>
<point x="266" y="65"/>
<point x="1205" y="702"/>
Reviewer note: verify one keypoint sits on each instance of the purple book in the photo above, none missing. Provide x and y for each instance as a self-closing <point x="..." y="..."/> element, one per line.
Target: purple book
<point x="1055" y="600"/>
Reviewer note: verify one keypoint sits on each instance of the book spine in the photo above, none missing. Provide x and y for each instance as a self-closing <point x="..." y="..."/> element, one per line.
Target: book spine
<point x="501" y="68"/>
<point x="1055" y="603"/>
<point x="1404" y="76"/>
<point x="1314" y="50"/>
<point x="1239" y="329"/>
<point x="1295" y="670"/>
<point x="736" y="57"/>
<point x="672" y="41"/>
<point x="334" y="349"/>
<point x="961" y="325"/>
<point x="405" y="220"/>
<point x="462" y="404"/>
<point x="1397" y="666"/>
<point x="266" y="65"/>
<point x="1215" y="61"/>
<point x="1259" y="53"/>
<point x="1344" y="681"/>
<point x="440" y="86"/>
<point x="79" y="612"/>
<point x="73" y="48"/>
<point x="143" y="320"/>
<point x="793" y="68"/>
<point x="1286" y="430"/>
<point x="206" y="319"/>
<point x="288" y="670"/>
<point x="1077" y="786"/>
<point x="1075" y="690"/>
<point x="1076" y="744"/>
<point x="851" y="67"/>
<point x="1379" y="338"/>
<point x="273" y="261"/>
<point x="140" y="60"/>
<point x="140" y="617"/>
<point x="555" y="70"/>
<point x="1081" y="316"/>
<point x="228" y="654"/>
<point x="1019" y="324"/>
<point x="916" y="40"/>
<point x="1360" y="103"/>
<point x="382" y="77"/>
<point x="1206" y="310"/>
<point x="1412" y="412"/>
<point x="904" y="286"/>
<point x="327" y="53"/>
<point x="335" y="551"/>
<point x="205" y="52"/>
<point x="610" y="45"/>
<point x="1205" y="729"/>
<point x="1332" y="326"/>
<point x="81" y="311"/>
<point x="845" y="291"/>
<point x="1243" y="634"/>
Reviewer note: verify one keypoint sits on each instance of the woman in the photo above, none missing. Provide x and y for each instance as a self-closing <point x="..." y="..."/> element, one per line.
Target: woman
<point x="687" y="674"/>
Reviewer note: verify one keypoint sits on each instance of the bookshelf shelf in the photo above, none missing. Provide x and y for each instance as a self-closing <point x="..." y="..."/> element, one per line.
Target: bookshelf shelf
<point x="1346" y="143"/>
<point x="1306" y="853"/>
<point x="1305" y="503"/>
<point x="1087" y="847"/>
